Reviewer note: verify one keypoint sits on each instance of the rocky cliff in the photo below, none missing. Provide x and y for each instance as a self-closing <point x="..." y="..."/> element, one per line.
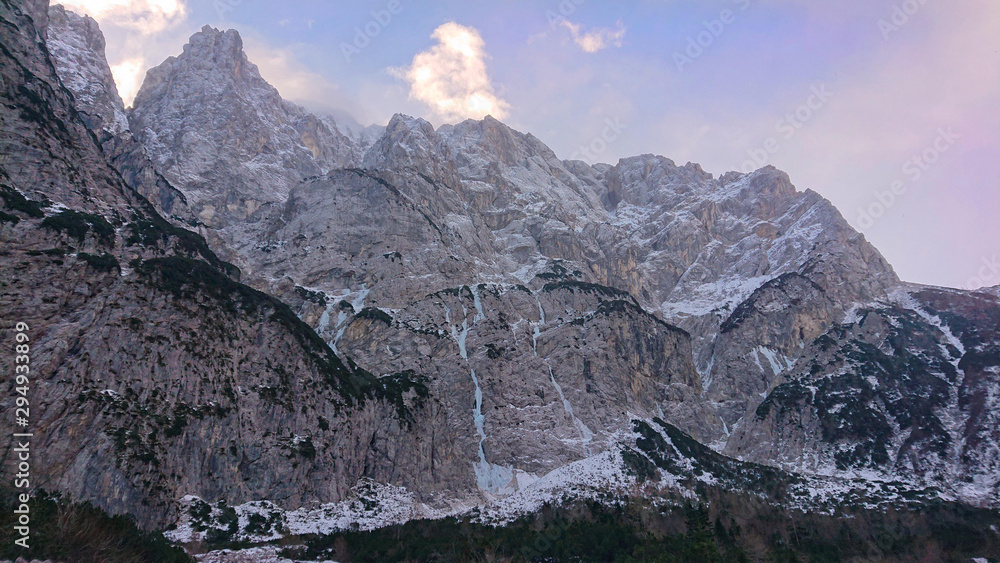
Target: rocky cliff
<point x="900" y="389"/>
<point x="153" y="371"/>
<point x="242" y="118"/>
<point x="480" y="203"/>
<point x="77" y="49"/>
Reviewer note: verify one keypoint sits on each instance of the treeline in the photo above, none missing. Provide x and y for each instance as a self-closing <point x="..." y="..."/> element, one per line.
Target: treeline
<point x="728" y="528"/>
<point x="81" y="533"/>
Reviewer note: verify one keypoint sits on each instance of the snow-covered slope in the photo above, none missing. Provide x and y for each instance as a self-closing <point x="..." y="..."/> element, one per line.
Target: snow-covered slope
<point x="904" y="389"/>
<point x="652" y="459"/>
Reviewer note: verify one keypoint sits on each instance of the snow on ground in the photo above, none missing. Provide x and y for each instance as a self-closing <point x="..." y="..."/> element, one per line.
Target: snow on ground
<point x="588" y="478"/>
<point x="603" y="477"/>
<point x="702" y="299"/>
<point x="373" y="505"/>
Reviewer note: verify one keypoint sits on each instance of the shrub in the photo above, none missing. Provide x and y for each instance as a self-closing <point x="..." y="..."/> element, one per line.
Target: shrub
<point x="76" y="225"/>
<point x="102" y="263"/>
<point x="68" y="531"/>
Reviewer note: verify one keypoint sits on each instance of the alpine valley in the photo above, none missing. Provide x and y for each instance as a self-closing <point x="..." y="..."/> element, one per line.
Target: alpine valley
<point x="260" y="334"/>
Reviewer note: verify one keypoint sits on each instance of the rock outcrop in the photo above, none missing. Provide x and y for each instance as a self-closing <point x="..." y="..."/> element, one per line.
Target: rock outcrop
<point x="77" y="47"/>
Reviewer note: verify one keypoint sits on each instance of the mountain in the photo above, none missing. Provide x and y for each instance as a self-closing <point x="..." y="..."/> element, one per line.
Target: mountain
<point x="77" y="47"/>
<point x="250" y="123"/>
<point x="486" y="204"/>
<point x="423" y="323"/>
<point x="153" y="369"/>
<point x="900" y="388"/>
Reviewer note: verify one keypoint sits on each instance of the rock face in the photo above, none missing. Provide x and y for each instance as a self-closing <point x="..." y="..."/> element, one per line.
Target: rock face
<point x="753" y="270"/>
<point x="901" y="389"/>
<point x="480" y="203"/>
<point x="212" y="88"/>
<point x="456" y="312"/>
<point x="152" y="371"/>
<point x="77" y="48"/>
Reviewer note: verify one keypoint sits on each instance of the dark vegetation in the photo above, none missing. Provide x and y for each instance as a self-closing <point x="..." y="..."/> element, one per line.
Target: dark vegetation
<point x="100" y="262"/>
<point x="8" y="218"/>
<point x="725" y="528"/>
<point x="376" y="314"/>
<point x="587" y="531"/>
<point x="14" y="201"/>
<point x="737" y="521"/>
<point x="309" y="295"/>
<point x="594" y="288"/>
<point x="558" y="272"/>
<point x="76" y="225"/>
<point x="493" y="352"/>
<point x="686" y="457"/>
<point x="910" y="373"/>
<point x="154" y="232"/>
<point x="79" y="532"/>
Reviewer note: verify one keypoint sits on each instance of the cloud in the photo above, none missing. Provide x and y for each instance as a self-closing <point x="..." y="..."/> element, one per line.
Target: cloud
<point x="295" y="81"/>
<point x="128" y="77"/>
<point x="139" y="33"/>
<point x="144" y="16"/>
<point x="451" y="77"/>
<point x="595" y="39"/>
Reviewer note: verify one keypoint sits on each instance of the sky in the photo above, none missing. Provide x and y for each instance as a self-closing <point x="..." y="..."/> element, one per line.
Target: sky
<point x="888" y="108"/>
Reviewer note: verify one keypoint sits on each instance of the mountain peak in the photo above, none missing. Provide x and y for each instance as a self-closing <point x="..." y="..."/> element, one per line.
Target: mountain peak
<point x="212" y="47"/>
<point x="401" y="121"/>
<point x="209" y="35"/>
<point x="77" y="49"/>
<point x="209" y="107"/>
<point x="211" y="60"/>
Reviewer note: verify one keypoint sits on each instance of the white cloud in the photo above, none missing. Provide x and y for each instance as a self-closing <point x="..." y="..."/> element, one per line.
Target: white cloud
<point x="139" y="33"/>
<point x="451" y="77"/>
<point x="595" y="39"/>
<point x="128" y="77"/>
<point x="145" y="16"/>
